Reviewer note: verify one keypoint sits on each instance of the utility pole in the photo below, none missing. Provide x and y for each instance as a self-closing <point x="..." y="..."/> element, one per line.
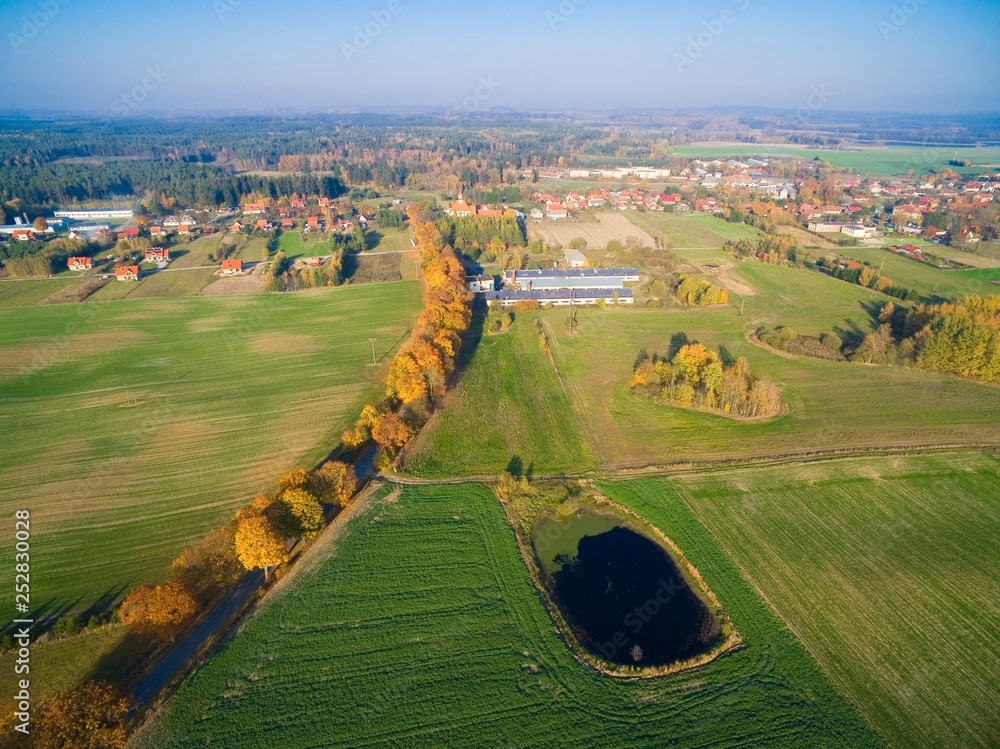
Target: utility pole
<point x="742" y="305"/>
<point x="374" y="360"/>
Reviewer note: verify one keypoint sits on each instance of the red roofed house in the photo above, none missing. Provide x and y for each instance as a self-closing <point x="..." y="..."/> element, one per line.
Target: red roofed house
<point x="231" y="267"/>
<point x="127" y="273"/>
<point x="157" y="231"/>
<point x="557" y="212"/>
<point x="261" y="224"/>
<point x="236" y="228"/>
<point x="252" y="208"/>
<point x="22" y="235"/>
<point x="129" y="233"/>
<point x="298" y="203"/>
<point x="80" y="263"/>
<point x="287" y="223"/>
<point x="495" y="213"/>
<point x="184" y="230"/>
<point x="157" y="255"/>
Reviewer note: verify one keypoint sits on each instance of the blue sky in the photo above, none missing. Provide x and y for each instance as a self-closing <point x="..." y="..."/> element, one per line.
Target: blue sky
<point x="112" y="56"/>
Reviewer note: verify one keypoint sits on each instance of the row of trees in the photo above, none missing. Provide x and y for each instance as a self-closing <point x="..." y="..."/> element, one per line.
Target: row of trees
<point x="419" y="373"/>
<point x="696" y="377"/>
<point x="863" y="274"/>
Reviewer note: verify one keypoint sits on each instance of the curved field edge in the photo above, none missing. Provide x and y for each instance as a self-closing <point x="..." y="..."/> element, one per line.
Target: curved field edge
<point x="425" y="630"/>
<point x="884" y="568"/>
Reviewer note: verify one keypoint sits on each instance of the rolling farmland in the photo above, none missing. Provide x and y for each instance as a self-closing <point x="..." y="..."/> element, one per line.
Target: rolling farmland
<point x="831" y="405"/>
<point x="606" y="227"/>
<point x="886" y="569"/>
<point x="422" y="628"/>
<point x="133" y="427"/>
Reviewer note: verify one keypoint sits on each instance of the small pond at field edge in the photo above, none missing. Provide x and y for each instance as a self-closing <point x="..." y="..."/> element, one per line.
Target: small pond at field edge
<point x="621" y="592"/>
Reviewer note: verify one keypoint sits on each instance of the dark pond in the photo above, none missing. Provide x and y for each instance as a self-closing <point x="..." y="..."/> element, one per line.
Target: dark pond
<point x="622" y="593"/>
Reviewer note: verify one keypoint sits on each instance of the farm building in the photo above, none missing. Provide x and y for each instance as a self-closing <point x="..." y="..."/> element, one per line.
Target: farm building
<point x="574" y="258"/>
<point x="104" y="213"/>
<point x="561" y="297"/>
<point x="127" y="273"/>
<point x="80" y="263"/>
<point x="481" y="284"/>
<point x="577" y="278"/>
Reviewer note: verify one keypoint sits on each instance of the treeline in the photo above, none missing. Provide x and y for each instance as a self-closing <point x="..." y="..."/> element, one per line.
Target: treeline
<point x="472" y="235"/>
<point x="419" y="373"/>
<point x="696" y="377"/>
<point x="960" y="338"/>
<point x="862" y="274"/>
<point x="191" y="185"/>
<point x="38" y="259"/>
<point x="97" y="714"/>
<point x="699" y="292"/>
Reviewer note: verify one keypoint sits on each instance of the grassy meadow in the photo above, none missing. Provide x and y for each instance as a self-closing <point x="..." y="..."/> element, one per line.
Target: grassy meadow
<point x="421" y="628"/>
<point x="28" y="293"/>
<point x="509" y="404"/>
<point x="886" y="569"/>
<point x="131" y="428"/>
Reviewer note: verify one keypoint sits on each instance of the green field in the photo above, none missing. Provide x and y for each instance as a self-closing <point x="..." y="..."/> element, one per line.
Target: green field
<point x="879" y="162"/>
<point x="131" y="428"/>
<point x="423" y="629"/>
<point x="28" y="293"/>
<point x="390" y="240"/>
<point x="508" y="405"/>
<point x="886" y="569"/>
<point x="831" y="405"/>
<point x="292" y="244"/>
<point x="727" y="229"/>
<point x="687" y="232"/>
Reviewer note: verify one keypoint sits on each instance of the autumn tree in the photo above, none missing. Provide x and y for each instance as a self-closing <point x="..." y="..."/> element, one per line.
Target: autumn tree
<point x="158" y="610"/>
<point x="362" y="430"/>
<point x="296" y="479"/>
<point x="258" y="538"/>
<point x="391" y="432"/>
<point x="336" y="481"/>
<point x="40" y="224"/>
<point x="302" y="513"/>
<point x="210" y="565"/>
<point x="93" y="716"/>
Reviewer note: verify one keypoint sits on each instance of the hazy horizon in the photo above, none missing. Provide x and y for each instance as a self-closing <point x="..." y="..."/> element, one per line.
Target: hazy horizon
<point x="240" y="55"/>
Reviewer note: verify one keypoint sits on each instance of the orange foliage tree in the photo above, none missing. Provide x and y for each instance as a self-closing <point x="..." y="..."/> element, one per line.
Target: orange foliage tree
<point x="93" y="716"/>
<point x="258" y="539"/>
<point x="391" y="432"/>
<point x="336" y="482"/>
<point x="158" y="610"/>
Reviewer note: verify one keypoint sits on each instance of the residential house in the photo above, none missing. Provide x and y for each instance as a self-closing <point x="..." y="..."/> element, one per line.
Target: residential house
<point x="574" y="258"/>
<point x="237" y="227"/>
<point x="231" y="268"/>
<point x="127" y="273"/>
<point x="157" y="255"/>
<point x="251" y="209"/>
<point x="157" y="232"/>
<point x="129" y="233"/>
<point x="184" y="230"/>
<point x="22" y="235"/>
<point x="558" y="212"/>
<point x="80" y="263"/>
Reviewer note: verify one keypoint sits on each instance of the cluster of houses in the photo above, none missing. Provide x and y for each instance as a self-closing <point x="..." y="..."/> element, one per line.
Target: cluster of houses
<point x="462" y="208"/>
<point x="568" y="287"/>
<point x="324" y="219"/>
<point x="560" y="209"/>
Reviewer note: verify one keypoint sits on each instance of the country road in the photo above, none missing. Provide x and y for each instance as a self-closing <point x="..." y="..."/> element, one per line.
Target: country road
<point x="168" y="666"/>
